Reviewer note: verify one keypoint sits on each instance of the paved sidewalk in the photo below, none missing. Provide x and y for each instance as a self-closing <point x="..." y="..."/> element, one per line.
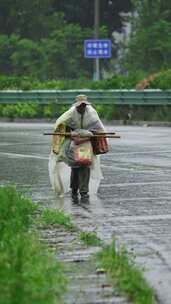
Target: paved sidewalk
<point x="87" y="283"/>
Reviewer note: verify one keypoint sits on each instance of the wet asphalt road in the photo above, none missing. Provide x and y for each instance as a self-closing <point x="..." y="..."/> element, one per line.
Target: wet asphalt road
<point x="134" y="199"/>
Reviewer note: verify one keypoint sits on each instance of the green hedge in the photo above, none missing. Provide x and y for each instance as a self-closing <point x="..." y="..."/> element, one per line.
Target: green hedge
<point x="31" y="110"/>
<point x="161" y="80"/>
<point x="27" y="83"/>
<point x="107" y="112"/>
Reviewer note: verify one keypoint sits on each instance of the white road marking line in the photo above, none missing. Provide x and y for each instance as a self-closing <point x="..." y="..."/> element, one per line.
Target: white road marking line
<point x="135" y="184"/>
<point x="23" y="155"/>
<point x="137" y="169"/>
<point x="158" y="198"/>
<point x="140" y="152"/>
<point x="143" y="217"/>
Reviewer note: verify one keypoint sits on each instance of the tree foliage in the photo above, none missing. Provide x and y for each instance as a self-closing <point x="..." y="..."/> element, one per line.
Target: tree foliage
<point x="27" y="18"/>
<point x="82" y="12"/>
<point x="64" y="52"/>
<point x="36" y="38"/>
<point x="149" y="49"/>
<point x="58" y="56"/>
<point x="44" y="38"/>
<point x="33" y="19"/>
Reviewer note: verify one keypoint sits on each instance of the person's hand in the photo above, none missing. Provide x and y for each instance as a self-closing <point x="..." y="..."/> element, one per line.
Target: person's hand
<point x="74" y="134"/>
<point x="80" y="140"/>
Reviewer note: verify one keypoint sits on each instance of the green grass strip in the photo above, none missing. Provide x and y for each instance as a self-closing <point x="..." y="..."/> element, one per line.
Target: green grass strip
<point x="29" y="272"/>
<point x="90" y="238"/>
<point x="52" y="217"/>
<point x="125" y="275"/>
<point x="16" y="211"/>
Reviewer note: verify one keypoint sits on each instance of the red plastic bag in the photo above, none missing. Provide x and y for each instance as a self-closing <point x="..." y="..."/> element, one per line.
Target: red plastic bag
<point x="83" y="154"/>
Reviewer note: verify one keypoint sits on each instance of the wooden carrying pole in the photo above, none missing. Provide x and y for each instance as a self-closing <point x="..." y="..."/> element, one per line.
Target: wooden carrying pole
<point x="107" y="135"/>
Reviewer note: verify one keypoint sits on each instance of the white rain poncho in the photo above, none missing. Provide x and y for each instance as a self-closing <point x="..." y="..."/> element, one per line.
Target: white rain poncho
<point x="59" y="171"/>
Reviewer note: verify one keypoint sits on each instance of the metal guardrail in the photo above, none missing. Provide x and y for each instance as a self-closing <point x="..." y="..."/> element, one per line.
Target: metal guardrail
<point x="119" y="97"/>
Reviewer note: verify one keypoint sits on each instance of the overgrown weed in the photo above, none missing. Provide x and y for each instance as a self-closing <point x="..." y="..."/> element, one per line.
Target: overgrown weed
<point x="90" y="238"/>
<point x="125" y="274"/>
<point x="52" y="217"/>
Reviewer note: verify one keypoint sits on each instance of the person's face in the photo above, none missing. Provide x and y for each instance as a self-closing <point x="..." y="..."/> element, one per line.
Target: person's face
<point x="81" y="108"/>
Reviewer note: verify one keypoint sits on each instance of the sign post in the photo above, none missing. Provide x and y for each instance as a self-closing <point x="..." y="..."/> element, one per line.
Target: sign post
<point x="96" y="63"/>
<point x="96" y="49"/>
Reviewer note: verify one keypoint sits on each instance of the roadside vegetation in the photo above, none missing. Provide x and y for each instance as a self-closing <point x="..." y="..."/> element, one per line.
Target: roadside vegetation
<point x="47" y="41"/>
<point x="56" y="217"/>
<point x="125" y="274"/>
<point x="31" y="45"/>
<point x="90" y="238"/>
<point x="127" y="113"/>
<point x="138" y="80"/>
<point x="107" y="112"/>
<point x="29" y="272"/>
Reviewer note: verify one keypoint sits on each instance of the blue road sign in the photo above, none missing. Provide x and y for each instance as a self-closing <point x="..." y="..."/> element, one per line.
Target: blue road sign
<point x="97" y="48"/>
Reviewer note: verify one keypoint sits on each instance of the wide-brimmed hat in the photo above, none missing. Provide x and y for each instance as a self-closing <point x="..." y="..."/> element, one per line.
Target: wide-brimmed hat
<point x="81" y="99"/>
